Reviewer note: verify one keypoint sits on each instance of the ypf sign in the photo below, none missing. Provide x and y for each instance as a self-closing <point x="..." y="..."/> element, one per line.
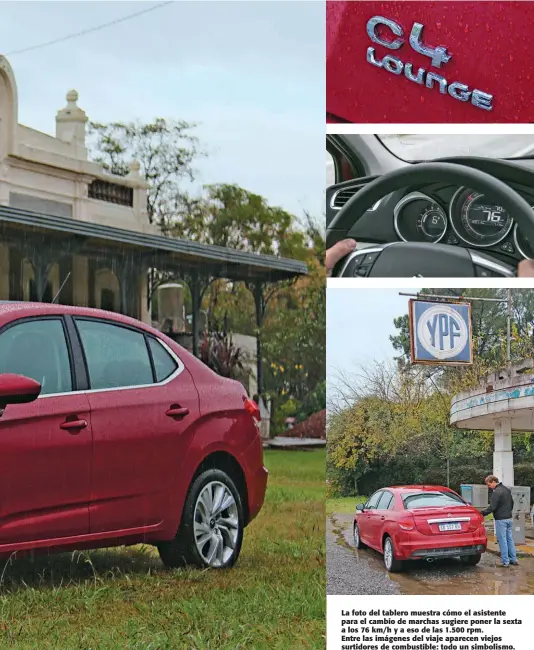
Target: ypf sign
<point x="440" y="333"/>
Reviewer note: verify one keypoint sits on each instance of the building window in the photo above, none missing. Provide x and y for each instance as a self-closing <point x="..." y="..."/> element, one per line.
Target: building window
<point x="111" y="193"/>
<point x="107" y="299"/>
<point x="47" y="296"/>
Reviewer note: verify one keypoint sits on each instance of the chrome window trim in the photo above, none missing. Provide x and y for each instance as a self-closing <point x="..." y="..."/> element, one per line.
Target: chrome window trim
<point x="417" y="196"/>
<point x="179" y="369"/>
<point x="342" y="189"/>
<point x="491" y="265"/>
<point x="469" y="243"/>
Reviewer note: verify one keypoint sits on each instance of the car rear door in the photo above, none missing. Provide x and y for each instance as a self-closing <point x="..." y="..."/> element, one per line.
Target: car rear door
<point x="46" y="445"/>
<point x="143" y="403"/>
<point x="381" y="516"/>
<point x="368" y="520"/>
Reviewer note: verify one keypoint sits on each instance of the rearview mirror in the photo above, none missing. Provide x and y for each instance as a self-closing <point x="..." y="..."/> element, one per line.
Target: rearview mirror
<point x="17" y="389"/>
<point x="360" y="507"/>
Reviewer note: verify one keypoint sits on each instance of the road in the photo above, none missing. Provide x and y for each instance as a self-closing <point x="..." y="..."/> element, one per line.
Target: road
<point x="353" y="572"/>
<point x="427" y="147"/>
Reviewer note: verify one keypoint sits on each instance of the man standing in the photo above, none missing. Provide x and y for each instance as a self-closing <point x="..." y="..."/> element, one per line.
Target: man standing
<point x="501" y="505"/>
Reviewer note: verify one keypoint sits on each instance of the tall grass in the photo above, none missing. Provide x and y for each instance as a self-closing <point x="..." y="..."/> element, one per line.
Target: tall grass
<point x="122" y="598"/>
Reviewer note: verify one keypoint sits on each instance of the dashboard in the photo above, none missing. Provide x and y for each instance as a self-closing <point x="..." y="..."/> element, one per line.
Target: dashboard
<point x="458" y="216"/>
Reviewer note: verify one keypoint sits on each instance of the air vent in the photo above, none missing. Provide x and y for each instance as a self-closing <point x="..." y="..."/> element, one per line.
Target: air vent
<point x="342" y="196"/>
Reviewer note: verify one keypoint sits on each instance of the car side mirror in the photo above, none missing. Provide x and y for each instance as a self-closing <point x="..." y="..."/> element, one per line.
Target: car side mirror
<point x="360" y="507"/>
<point x="17" y="389"/>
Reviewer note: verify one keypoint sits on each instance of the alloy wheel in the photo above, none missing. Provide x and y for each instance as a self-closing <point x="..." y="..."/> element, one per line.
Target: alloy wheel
<point x="356" y="536"/>
<point x="216" y="524"/>
<point x="388" y="554"/>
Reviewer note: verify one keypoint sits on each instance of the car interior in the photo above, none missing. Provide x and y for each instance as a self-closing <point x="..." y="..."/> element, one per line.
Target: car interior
<point x="427" y="213"/>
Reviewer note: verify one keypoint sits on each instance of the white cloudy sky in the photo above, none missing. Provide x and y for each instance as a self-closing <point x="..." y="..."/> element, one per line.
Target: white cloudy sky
<point x="251" y="73"/>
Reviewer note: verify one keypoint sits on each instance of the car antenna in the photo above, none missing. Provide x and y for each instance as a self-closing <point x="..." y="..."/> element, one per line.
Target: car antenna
<point x="61" y="287"/>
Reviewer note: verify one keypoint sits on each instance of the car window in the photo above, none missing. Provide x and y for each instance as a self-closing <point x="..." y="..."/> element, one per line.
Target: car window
<point x="164" y="364"/>
<point x="373" y="501"/>
<point x="385" y="500"/>
<point x="330" y="170"/>
<point x="37" y="349"/>
<point x="431" y="500"/>
<point x="116" y="356"/>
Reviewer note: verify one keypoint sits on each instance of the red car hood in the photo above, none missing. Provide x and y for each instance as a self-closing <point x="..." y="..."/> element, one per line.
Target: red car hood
<point x="491" y="46"/>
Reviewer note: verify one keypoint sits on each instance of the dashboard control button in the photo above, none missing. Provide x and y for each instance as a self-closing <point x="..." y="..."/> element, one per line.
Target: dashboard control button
<point x="452" y="239"/>
<point x="507" y="247"/>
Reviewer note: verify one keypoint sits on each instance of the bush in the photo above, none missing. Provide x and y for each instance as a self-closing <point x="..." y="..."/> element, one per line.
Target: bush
<point x="219" y="352"/>
<point x="312" y="427"/>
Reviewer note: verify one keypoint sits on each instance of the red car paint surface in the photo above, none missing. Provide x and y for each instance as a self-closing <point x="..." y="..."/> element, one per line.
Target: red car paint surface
<point x="89" y="468"/>
<point x="491" y="44"/>
<point x="410" y="529"/>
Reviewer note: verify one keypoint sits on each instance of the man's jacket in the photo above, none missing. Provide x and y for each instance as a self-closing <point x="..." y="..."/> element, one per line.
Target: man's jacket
<point x="501" y="503"/>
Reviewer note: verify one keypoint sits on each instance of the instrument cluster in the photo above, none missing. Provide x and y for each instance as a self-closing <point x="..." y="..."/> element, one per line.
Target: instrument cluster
<point x="468" y="218"/>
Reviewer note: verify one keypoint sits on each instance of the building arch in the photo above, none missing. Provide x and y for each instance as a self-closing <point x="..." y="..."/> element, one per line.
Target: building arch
<point x="8" y="109"/>
<point x="107" y="290"/>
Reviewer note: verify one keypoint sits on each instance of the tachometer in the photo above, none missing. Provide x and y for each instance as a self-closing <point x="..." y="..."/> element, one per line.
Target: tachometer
<point x="477" y="220"/>
<point x="523" y="245"/>
<point x="418" y="217"/>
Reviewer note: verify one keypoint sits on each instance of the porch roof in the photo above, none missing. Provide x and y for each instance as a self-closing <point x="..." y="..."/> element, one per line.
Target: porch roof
<point x="169" y="251"/>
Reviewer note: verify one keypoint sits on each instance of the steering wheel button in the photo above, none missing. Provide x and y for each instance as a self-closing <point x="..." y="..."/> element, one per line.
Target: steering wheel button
<point x="370" y="258"/>
<point x="482" y="272"/>
<point x="362" y="271"/>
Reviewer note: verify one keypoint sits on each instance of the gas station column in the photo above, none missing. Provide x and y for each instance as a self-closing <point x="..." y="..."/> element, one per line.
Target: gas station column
<point x="503" y="459"/>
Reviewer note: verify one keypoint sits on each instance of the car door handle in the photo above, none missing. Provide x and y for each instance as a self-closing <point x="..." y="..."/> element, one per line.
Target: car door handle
<point x="73" y="426"/>
<point x="382" y="518"/>
<point x="176" y="411"/>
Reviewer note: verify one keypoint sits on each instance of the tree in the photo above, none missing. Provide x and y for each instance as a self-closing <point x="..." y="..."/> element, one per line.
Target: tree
<point x="166" y="150"/>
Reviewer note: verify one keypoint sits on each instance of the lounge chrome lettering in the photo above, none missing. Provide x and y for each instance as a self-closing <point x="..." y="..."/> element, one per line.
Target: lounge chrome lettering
<point x="394" y="40"/>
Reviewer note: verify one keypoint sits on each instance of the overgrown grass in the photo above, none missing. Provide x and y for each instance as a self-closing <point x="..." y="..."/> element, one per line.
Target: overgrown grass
<point x="343" y="505"/>
<point x="274" y="598"/>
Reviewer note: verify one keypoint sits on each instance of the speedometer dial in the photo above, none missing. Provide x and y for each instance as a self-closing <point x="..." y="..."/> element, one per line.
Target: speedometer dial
<point x="481" y="222"/>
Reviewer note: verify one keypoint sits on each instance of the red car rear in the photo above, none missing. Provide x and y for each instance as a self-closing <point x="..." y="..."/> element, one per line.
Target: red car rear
<point x="415" y="522"/>
<point x="111" y="433"/>
<point x="454" y="62"/>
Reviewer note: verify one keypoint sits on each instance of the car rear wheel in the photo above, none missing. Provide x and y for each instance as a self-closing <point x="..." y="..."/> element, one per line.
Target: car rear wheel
<point x="211" y="531"/>
<point x="471" y="560"/>
<point x="356" y="536"/>
<point x="390" y="562"/>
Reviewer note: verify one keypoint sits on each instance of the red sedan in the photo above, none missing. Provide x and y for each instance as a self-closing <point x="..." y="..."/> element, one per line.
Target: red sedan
<point x="415" y="522"/>
<point x="111" y="433"/>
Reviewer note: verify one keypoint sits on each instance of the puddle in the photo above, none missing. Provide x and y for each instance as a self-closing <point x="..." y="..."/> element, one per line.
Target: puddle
<point x="445" y="576"/>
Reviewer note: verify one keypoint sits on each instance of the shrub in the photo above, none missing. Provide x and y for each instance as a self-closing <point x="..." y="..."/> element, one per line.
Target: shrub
<point x="218" y="351"/>
<point x="312" y="427"/>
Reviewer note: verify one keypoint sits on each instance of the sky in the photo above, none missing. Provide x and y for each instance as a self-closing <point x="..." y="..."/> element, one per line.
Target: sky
<point x="359" y="323"/>
<point x="250" y="73"/>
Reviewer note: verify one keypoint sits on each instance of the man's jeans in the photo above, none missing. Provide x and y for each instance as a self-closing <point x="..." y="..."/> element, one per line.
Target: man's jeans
<point x="503" y="529"/>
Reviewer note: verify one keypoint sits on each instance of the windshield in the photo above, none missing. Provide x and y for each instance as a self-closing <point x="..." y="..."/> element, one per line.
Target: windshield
<point x="429" y="147"/>
<point x="431" y="500"/>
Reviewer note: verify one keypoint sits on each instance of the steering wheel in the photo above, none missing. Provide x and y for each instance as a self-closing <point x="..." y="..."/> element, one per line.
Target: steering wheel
<point x="422" y="259"/>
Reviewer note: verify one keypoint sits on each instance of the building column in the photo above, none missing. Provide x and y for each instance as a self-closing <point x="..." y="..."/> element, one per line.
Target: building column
<point x="503" y="456"/>
<point x="261" y="304"/>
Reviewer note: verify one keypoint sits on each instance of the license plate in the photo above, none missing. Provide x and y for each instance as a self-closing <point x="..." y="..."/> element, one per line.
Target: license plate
<point x="445" y="527"/>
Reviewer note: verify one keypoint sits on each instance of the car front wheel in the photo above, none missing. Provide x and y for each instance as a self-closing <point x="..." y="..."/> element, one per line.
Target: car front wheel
<point x="211" y="531"/>
<point x="390" y="562"/>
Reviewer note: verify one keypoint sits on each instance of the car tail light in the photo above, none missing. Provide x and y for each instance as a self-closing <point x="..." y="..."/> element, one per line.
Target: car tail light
<point x="252" y="408"/>
<point x="406" y="524"/>
<point x="476" y="521"/>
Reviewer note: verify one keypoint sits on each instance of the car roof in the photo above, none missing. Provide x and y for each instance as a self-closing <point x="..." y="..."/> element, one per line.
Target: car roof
<point x="419" y="488"/>
<point x="22" y="309"/>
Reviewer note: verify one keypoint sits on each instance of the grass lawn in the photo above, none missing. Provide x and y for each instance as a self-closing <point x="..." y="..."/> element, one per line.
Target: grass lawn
<point x="343" y="505"/>
<point x="121" y="598"/>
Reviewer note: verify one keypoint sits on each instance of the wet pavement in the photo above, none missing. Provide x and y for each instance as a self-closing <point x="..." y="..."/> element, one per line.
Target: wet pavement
<point x="362" y="572"/>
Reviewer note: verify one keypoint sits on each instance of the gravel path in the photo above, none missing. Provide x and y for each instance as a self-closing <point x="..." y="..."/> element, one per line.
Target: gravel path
<point x="347" y="572"/>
